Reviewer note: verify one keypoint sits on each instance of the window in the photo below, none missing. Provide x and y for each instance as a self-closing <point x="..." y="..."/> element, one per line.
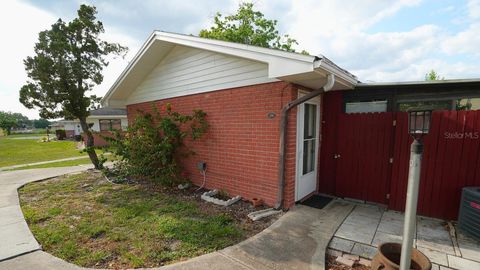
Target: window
<point x="366" y="107"/>
<point x="435" y="105"/>
<point x="309" y="137"/>
<point x="110" y="124"/>
<point x="468" y="104"/>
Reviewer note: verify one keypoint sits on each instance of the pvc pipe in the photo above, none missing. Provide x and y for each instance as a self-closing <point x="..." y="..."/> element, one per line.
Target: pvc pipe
<point x="416" y="151"/>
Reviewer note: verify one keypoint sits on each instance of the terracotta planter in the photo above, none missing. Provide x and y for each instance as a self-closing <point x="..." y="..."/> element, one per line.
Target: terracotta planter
<point x="257" y="202"/>
<point x="388" y="258"/>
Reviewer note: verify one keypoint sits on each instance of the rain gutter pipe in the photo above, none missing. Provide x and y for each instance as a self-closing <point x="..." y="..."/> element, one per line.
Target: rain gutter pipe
<point x="283" y="130"/>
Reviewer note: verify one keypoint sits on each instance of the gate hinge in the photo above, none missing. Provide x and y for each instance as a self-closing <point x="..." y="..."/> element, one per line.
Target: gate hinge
<point x="394" y="123"/>
<point x="387" y="196"/>
<point x="391" y="160"/>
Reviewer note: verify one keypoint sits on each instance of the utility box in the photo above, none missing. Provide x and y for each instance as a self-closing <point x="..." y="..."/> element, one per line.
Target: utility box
<point x="469" y="214"/>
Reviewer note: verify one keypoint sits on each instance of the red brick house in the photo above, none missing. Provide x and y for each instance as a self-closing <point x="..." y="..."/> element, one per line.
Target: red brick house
<point x="243" y="90"/>
<point x="266" y="140"/>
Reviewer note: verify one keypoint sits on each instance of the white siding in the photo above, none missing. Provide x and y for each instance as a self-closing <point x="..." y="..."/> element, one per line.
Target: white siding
<point x="186" y="71"/>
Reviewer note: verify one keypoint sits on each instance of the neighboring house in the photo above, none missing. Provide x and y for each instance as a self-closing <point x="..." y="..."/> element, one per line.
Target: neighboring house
<point x="102" y="121"/>
<point x="243" y="90"/>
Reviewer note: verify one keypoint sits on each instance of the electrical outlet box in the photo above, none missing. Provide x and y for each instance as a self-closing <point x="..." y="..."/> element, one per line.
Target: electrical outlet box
<point x="202" y="165"/>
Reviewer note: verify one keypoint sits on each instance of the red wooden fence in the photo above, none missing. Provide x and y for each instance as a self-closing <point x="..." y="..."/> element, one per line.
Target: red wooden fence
<point x="451" y="161"/>
<point x="356" y="154"/>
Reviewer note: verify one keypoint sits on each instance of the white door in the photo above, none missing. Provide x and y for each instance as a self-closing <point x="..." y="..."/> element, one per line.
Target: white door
<point x="308" y="123"/>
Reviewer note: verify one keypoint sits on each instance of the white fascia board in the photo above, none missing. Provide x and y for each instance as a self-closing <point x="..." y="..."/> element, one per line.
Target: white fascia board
<point x="105" y="100"/>
<point x="280" y="63"/>
<point x="196" y="41"/>
<point x="106" y="116"/>
<point x="320" y="64"/>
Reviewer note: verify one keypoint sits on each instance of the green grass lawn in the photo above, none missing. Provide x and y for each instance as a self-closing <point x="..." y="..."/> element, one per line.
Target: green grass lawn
<point x="91" y="222"/>
<point x="14" y="151"/>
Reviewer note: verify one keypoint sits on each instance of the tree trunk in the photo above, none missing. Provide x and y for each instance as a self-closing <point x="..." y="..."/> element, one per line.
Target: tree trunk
<point x="89" y="143"/>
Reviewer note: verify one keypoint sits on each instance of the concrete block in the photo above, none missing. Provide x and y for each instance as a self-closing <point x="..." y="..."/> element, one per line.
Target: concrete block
<point x="365" y="262"/>
<point x="391" y="223"/>
<point x="434" y="230"/>
<point x="257" y="215"/>
<point x="341" y="244"/>
<point x="469" y="247"/>
<point x="208" y="196"/>
<point x="436" y="244"/>
<point x="16" y="239"/>
<point x="462" y="264"/>
<point x="10" y="214"/>
<point x="345" y="261"/>
<point x="435" y="256"/>
<point x="334" y="253"/>
<point x="362" y="233"/>
<point x="364" y="251"/>
<point x="381" y="237"/>
<point x="351" y="257"/>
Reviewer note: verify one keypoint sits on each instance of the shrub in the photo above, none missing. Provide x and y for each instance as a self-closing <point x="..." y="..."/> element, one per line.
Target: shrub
<point x="61" y="134"/>
<point x="154" y="143"/>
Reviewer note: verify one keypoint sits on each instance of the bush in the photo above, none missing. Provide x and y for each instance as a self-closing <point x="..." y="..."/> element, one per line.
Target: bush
<point x="61" y="134"/>
<point x="153" y="144"/>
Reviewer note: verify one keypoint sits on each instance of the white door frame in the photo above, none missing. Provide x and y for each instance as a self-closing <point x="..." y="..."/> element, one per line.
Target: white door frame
<point x="299" y="146"/>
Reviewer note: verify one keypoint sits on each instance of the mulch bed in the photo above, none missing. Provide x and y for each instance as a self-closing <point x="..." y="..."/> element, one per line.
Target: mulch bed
<point x="238" y="210"/>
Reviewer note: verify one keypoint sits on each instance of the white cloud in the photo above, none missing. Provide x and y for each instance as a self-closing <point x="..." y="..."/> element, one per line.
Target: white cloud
<point x="339" y="30"/>
<point x="20" y="35"/>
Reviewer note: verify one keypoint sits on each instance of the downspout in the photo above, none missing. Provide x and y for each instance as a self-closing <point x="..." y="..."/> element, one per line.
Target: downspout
<point x="283" y="130"/>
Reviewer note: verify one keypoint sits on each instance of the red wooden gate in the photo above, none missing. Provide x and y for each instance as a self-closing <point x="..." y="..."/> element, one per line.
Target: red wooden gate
<point x="364" y="144"/>
<point x="366" y="157"/>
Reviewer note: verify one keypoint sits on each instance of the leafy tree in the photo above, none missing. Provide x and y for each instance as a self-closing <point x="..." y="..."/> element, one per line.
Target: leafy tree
<point x="69" y="61"/>
<point x="249" y="26"/>
<point x="22" y="120"/>
<point x="433" y="76"/>
<point x="41" y="123"/>
<point x="7" y="121"/>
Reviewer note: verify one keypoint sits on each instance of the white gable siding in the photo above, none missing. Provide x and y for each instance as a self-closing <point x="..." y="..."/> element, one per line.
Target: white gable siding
<point x="186" y="71"/>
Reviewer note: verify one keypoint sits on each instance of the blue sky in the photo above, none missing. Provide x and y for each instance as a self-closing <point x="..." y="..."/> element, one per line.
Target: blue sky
<point x="377" y="40"/>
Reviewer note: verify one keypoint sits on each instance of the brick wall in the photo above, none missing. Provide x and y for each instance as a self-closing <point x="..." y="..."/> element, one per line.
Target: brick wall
<point x="241" y="145"/>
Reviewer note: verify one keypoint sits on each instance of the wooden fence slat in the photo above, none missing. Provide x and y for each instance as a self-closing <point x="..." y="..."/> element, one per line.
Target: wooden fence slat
<point x="367" y="141"/>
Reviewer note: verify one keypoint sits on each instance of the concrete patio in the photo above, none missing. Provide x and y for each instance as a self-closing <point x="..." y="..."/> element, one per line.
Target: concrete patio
<point x="369" y="225"/>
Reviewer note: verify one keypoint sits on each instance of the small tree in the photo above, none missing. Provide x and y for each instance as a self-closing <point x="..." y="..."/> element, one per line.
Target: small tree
<point x="248" y="26"/>
<point x="7" y="122"/>
<point x="41" y="123"/>
<point x="433" y="76"/>
<point x="69" y="61"/>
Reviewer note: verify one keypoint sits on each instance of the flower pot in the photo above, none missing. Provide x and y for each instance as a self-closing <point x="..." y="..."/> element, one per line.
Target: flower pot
<point x="388" y="258"/>
<point x="257" y="202"/>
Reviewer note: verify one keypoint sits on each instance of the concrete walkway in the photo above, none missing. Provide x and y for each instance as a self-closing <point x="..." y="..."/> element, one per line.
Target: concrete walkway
<point x="40" y="163"/>
<point x="298" y="240"/>
<point x="367" y="226"/>
<point x="15" y="236"/>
